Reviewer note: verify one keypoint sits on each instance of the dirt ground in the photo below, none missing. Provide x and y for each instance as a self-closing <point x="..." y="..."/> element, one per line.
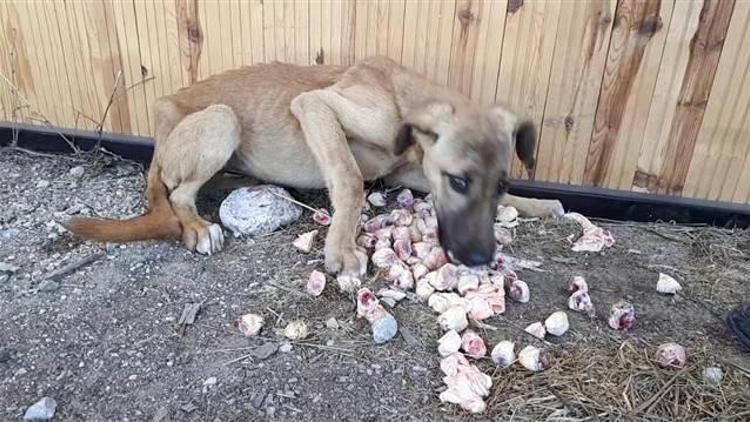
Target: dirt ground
<point x="106" y="342"/>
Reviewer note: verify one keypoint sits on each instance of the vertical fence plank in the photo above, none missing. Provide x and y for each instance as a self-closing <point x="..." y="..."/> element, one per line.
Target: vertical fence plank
<point x="464" y="42"/>
<point x="301" y="32"/>
<point x="723" y="140"/>
<point x="636" y="23"/>
<point x="575" y="80"/>
<point x="705" y="51"/>
<point x="191" y="38"/>
<point x="488" y="51"/>
<point x="150" y="75"/>
<point x="528" y="47"/>
<point x="15" y="65"/>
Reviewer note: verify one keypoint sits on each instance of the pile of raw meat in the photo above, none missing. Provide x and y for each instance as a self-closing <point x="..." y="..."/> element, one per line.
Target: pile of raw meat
<point x="404" y="248"/>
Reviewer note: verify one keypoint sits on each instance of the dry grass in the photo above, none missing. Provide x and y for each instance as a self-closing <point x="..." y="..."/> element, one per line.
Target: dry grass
<point x="616" y="383"/>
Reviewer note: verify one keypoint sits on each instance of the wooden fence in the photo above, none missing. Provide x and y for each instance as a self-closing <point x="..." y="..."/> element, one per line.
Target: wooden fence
<point x="638" y="95"/>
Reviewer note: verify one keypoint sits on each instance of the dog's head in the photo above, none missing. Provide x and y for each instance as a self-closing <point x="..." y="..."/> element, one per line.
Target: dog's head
<point x="466" y="157"/>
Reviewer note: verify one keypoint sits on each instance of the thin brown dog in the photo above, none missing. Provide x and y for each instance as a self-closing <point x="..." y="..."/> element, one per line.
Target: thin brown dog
<point x="332" y="127"/>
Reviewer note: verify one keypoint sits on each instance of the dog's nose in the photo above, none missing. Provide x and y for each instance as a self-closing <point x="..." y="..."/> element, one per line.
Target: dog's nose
<point x="477" y="259"/>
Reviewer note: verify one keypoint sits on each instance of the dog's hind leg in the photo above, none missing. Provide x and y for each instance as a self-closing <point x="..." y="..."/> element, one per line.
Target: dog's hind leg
<point x="196" y="149"/>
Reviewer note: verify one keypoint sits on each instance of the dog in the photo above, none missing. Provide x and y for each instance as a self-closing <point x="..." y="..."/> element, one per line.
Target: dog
<point x="333" y="127"/>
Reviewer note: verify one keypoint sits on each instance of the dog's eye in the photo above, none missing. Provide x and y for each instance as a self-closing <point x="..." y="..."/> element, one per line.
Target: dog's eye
<point x="458" y="184"/>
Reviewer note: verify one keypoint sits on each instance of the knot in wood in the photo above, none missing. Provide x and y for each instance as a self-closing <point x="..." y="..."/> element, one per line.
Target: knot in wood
<point x="650" y="26"/>
<point x="465" y="16"/>
<point x="514" y="5"/>
<point x="194" y="33"/>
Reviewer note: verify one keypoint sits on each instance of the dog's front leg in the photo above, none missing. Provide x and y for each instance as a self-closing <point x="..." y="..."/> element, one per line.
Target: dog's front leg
<point x="325" y="137"/>
<point x="531" y="207"/>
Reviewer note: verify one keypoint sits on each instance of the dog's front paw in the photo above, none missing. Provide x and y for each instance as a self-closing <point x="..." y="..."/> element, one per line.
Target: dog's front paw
<point x="203" y="237"/>
<point x="350" y="261"/>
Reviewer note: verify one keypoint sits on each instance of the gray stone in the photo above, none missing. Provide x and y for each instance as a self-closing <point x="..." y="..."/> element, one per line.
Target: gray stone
<point x="265" y="351"/>
<point x="48" y="286"/>
<point x="9" y="233"/>
<point x="713" y="375"/>
<point x="42" y="184"/>
<point x="332" y="323"/>
<point x="8" y="268"/>
<point x="77" y="172"/>
<point x="4" y="279"/>
<point x="286" y="348"/>
<point x="161" y="415"/>
<point x="5" y="354"/>
<point x="43" y="410"/>
<point x="258" y="210"/>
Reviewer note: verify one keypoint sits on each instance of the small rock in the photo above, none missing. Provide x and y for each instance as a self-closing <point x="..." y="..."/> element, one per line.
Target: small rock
<point x="42" y="184"/>
<point x="20" y="372"/>
<point x="77" y="172"/>
<point x="667" y="285"/>
<point x="43" y="410"/>
<point x="208" y="383"/>
<point x="8" y="268"/>
<point x="5" y="354"/>
<point x="383" y="329"/>
<point x="250" y="324"/>
<point x="3" y="279"/>
<point x="264" y="352"/>
<point x="48" y="286"/>
<point x="332" y="323"/>
<point x="161" y="415"/>
<point x="258" y="210"/>
<point x="713" y="375"/>
<point x="557" y="323"/>
<point x="296" y="330"/>
<point x="286" y="348"/>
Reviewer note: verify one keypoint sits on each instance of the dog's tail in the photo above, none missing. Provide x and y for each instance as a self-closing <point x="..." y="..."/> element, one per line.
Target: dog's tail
<point x="160" y="222"/>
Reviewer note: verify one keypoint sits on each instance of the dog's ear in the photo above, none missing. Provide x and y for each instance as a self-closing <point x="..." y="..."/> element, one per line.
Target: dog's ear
<point x="523" y="133"/>
<point x="424" y="124"/>
<point x="525" y="139"/>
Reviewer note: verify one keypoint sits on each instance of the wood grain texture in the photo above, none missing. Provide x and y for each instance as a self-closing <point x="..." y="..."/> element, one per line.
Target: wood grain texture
<point x="721" y="149"/>
<point x="705" y="51"/>
<point x="525" y="68"/>
<point x="190" y="36"/>
<point x="580" y="53"/>
<point x="464" y="44"/>
<point x="635" y="24"/>
<point x="488" y="50"/>
<point x="648" y="95"/>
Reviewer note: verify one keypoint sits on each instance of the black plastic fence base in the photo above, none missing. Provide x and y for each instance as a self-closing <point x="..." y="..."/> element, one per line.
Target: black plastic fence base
<point x="588" y="200"/>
